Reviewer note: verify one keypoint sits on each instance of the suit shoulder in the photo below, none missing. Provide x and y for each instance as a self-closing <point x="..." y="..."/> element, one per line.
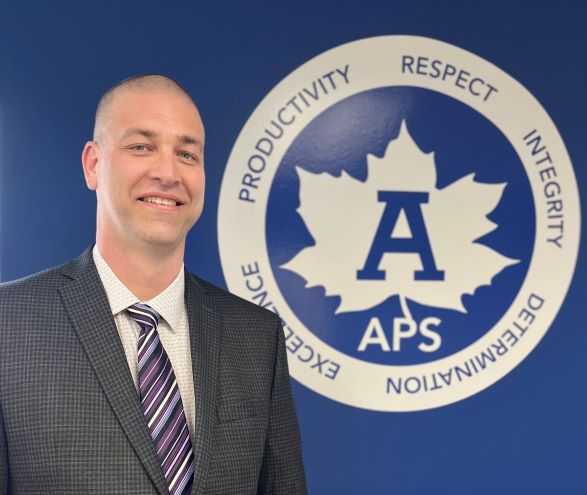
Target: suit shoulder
<point x="35" y="284"/>
<point x="229" y="303"/>
<point x="29" y="298"/>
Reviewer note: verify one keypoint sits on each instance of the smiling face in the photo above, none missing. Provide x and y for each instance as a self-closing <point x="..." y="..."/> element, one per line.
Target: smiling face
<point x="147" y="168"/>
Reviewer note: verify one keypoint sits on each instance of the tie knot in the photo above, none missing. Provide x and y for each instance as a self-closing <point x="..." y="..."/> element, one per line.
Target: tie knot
<point x="144" y="315"/>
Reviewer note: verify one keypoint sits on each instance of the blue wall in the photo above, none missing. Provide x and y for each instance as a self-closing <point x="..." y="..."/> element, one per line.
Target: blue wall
<point x="525" y="434"/>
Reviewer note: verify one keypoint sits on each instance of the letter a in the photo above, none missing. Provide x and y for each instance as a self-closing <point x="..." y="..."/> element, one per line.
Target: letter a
<point x="410" y="203"/>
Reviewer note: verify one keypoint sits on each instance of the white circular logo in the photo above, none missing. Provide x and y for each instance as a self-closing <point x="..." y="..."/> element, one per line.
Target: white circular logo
<point x="411" y="213"/>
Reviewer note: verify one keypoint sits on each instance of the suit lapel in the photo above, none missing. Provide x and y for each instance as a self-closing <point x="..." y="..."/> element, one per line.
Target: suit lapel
<point x="205" y="333"/>
<point x="86" y="304"/>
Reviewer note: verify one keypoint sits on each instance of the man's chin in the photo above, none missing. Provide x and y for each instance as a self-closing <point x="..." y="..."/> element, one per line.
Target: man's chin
<point x="162" y="241"/>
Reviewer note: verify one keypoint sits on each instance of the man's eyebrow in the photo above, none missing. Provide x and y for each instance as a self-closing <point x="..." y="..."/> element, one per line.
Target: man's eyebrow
<point x="185" y="139"/>
<point x="141" y="132"/>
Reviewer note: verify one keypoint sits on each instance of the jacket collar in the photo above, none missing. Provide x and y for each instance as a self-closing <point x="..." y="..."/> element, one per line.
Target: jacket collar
<point x="86" y="303"/>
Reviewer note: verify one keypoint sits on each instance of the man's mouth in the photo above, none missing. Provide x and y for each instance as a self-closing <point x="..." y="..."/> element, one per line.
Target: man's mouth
<point x="160" y="201"/>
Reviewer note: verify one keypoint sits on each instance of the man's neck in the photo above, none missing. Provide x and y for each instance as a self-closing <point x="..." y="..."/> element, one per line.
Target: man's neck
<point x="145" y="272"/>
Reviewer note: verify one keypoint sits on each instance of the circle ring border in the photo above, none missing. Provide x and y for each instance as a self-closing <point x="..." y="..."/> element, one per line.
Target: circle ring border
<point x="361" y="384"/>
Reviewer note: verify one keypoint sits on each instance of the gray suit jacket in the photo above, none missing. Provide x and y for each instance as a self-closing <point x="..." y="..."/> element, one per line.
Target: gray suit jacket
<point x="70" y="418"/>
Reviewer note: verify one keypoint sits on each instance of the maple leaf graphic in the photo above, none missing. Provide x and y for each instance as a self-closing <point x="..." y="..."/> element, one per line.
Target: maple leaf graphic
<point x="342" y="214"/>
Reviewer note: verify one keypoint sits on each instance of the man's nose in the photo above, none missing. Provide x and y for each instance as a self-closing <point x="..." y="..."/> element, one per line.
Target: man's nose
<point x="166" y="168"/>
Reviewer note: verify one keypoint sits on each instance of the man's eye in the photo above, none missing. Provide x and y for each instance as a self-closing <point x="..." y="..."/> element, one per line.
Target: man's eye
<point x="138" y="147"/>
<point x="187" y="156"/>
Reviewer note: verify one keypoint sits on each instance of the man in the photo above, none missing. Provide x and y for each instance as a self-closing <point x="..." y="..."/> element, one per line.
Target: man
<point x="120" y="373"/>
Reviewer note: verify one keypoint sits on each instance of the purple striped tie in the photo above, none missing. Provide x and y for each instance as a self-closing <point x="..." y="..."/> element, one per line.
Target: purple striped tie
<point x="162" y="404"/>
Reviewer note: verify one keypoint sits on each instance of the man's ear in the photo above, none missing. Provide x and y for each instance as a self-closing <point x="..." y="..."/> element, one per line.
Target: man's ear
<point x="90" y="158"/>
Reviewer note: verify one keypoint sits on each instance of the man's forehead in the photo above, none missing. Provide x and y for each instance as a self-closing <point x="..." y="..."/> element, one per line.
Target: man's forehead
<point x="147" y="110"/>
<point x="140" y="92"/>
<point x="138" y="99"/>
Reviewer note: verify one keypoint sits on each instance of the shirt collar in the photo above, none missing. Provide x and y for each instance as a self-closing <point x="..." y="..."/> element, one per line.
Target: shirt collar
<point x="169" y="303"/>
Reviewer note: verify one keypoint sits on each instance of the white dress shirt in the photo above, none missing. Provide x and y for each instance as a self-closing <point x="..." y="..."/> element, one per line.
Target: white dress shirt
<point x="173" y="329"/>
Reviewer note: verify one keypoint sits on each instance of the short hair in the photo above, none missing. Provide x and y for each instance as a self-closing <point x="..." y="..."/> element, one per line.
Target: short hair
<point x="141" y="82"/>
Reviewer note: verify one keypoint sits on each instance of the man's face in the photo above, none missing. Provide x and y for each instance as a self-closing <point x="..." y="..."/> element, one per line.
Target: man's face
<point x="149" y="170"/>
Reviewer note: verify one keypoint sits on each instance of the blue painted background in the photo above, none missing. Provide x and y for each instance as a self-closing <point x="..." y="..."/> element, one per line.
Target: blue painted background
<point x="527" y="434"/>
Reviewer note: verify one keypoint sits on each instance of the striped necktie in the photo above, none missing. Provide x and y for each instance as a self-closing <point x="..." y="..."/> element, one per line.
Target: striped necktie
<point x="162" y="404"/>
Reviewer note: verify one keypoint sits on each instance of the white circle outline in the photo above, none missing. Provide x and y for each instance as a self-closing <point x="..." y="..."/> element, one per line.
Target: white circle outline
<point x="241" y="227"/>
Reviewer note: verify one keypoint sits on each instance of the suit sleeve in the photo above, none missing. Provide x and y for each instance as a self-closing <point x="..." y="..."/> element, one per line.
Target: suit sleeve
<point x="4" y="469"/>
<point x="282" y="471"/>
